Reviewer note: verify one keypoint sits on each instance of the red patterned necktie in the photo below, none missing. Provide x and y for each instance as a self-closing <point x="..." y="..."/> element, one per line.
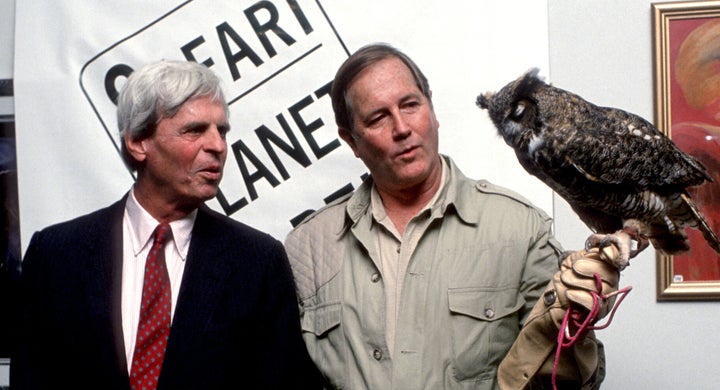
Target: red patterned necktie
<point x="154" y="326"/>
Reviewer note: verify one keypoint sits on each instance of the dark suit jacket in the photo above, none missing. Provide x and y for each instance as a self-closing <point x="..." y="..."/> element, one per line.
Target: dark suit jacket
<point x="236" y="324"/>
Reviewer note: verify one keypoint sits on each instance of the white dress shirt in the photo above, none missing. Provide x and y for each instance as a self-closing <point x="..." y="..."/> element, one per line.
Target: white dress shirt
<point x="138" y="226"/>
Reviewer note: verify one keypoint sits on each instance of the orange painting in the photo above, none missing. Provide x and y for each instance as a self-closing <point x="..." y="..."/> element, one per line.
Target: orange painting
<point x="694" y="59"/>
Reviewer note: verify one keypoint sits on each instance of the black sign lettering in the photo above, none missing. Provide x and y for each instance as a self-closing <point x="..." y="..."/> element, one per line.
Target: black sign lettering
<point x="308" y="128"/>
<point x="344" y="190"/>
<point x="224" y="32"/>
<point x="242" y="152"/>
<point x="295" y="151"/>
<point x="117" y="71"/>
<point x="188" y="48"/>
<point x="228" y="208"/>
<point x="300" y="16"/>
<point x="271" y="25"/>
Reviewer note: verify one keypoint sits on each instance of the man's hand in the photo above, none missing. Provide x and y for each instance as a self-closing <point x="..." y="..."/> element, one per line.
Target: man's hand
<point x="588" y="279"/>
<point x="583" y="291"/>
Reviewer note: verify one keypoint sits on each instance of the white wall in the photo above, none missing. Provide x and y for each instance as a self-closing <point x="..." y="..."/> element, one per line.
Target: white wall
<point x="7" y="29"/>
<point x="602" y="50"/>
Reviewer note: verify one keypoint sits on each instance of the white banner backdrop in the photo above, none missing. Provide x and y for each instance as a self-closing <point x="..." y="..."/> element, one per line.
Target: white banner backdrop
<point x="276" y="59"/>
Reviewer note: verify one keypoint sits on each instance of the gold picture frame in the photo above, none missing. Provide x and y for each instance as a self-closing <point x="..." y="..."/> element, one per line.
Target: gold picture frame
<point x="682" y="34"/>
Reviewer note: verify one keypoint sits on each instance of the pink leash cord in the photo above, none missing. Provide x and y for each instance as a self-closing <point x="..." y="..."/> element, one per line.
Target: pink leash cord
<point x="565" y="339"/>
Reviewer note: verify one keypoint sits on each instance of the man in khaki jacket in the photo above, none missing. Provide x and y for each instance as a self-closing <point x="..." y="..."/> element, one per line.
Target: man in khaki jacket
<point x="424" y="278"/>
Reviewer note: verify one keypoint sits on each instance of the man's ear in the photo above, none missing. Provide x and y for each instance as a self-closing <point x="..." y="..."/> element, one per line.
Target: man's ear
<point x="347" y="136"/>
<point x="135" y="148"/>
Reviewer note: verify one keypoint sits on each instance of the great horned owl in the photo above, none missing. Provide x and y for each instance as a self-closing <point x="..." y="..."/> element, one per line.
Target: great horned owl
<point x="615" y="169"/>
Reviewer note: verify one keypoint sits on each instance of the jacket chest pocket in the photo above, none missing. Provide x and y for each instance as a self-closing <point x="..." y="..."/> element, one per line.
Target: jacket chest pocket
<point x="321" y="319"/>
<point x="484" y="323"/>
<point x="323" y="337"/>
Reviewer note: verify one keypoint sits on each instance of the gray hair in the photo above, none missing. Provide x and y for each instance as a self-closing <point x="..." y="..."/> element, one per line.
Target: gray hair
<point x="157" y="91"/>
<point x="356" y="63"/>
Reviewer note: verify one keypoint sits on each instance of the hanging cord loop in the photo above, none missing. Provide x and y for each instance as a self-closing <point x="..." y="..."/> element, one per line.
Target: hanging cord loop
<point x="582" y="321"/>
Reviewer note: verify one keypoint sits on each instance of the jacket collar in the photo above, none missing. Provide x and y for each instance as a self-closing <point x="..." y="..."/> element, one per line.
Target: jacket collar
<point x="457" y="194"/>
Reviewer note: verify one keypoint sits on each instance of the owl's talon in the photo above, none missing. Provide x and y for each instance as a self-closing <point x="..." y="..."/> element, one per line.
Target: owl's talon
<point x="639" y="239"/>
<point x="620" y="240"/>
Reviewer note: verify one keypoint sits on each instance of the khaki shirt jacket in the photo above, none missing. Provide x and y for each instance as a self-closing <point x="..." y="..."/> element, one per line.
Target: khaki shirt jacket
<point x="471" y="283"/>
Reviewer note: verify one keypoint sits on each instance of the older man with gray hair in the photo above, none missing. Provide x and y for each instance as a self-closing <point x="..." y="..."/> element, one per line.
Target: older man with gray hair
<point x="157" y="290"/>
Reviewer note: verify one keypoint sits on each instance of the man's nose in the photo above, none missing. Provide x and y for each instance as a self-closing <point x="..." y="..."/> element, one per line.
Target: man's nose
<point x="401" y="127"/>
<point x="215" y="140"/>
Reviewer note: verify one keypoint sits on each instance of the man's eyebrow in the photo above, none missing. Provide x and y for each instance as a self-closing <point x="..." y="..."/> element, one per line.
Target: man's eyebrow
<point x="224" y="127"/>
<point x="412" y="95"/>
<point x="405" y="98"/>
<point x="195" y="124"/>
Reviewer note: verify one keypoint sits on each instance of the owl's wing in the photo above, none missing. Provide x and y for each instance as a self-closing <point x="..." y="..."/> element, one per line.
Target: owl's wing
<point x="624" y="149"/>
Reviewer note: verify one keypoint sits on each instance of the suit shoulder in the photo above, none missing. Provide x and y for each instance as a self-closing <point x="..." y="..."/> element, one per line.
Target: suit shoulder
<point x="93" y="222"/>
<point x="226" y="228"/>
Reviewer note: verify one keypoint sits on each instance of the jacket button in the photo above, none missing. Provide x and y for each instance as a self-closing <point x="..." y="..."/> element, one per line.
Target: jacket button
<point x="489" y="313"/>
<point x="375" y="277"/>
<point x="549" y="298"/>
<point x="377" y="354"/>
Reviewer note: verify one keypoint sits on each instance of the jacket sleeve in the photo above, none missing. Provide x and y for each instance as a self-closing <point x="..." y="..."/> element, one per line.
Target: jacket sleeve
<point x="283" y="360"/>
<point x="529" y="363"/>
<point x="29" y="365"/>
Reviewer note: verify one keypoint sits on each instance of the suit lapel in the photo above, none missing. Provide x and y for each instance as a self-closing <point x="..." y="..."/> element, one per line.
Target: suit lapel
<point x="203" y="279"/>
<point x="105" y="260"/>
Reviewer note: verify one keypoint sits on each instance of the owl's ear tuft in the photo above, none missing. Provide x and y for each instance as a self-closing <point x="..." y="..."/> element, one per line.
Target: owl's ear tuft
<point x="533" y="72"/>
<point x="483" y="101"/>
<point x="528" y="83"/>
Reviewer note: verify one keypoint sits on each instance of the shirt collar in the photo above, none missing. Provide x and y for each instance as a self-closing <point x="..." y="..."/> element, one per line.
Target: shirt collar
<point x="142" y="225"/>
<point x="378" y="210"/>
<point x="457" y="192"/>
